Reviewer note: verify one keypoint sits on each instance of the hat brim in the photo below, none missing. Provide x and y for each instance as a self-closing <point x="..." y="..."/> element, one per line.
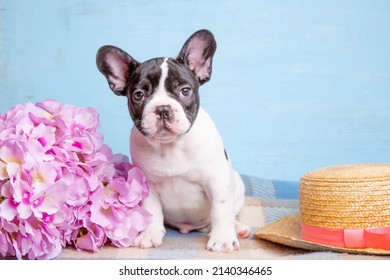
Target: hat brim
<point x="287" y="231"/>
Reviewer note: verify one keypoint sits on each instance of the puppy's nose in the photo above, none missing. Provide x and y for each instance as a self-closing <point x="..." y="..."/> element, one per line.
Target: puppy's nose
<point x="164" y="111"/>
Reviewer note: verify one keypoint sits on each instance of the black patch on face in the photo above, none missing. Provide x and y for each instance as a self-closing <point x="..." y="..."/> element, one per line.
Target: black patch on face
<point x="144" y="79"/>
<point x="180" y="77"/>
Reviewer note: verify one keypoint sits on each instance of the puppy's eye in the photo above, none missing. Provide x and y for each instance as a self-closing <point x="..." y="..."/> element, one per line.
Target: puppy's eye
<point x="138" y="96"/>
<point x="185" y="92"/>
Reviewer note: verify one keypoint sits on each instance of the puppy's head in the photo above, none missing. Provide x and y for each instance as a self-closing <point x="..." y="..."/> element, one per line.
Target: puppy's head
<point x="162" y="93"/>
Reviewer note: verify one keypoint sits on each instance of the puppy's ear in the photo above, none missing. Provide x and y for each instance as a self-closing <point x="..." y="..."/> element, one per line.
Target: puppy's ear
<point x="116" y="65"/>
<point x="197" y="54"/>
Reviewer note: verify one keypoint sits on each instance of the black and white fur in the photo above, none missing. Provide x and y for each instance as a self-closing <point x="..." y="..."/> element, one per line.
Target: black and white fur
<point x="176" y="144"/>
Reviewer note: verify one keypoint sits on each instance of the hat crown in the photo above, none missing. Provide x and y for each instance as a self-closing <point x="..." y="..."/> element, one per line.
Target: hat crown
<point x="346" y="196"/>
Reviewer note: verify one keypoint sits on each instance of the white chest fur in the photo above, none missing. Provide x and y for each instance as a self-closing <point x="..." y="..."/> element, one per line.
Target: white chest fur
<point x="180" y="172"/>
<point x="188" y="154"/>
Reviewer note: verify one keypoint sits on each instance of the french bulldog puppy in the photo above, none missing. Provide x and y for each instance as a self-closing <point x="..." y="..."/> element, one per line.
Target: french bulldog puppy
<point x="176" y="144"/>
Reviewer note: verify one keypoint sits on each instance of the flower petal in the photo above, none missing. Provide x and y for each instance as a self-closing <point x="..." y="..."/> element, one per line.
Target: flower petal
<point x="8" y="210"/>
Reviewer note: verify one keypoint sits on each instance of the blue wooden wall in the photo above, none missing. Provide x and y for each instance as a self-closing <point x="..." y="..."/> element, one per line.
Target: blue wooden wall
<point x="297" y="85"/>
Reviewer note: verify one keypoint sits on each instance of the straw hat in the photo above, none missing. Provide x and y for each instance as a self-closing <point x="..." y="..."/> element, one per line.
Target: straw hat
<point x="342" y="208"/>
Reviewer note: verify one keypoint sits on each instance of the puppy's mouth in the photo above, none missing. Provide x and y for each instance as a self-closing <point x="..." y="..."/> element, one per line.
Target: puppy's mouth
<point x="160" y="130"/>
<point x="163" y="130"/>
<point x="163" y="123"/>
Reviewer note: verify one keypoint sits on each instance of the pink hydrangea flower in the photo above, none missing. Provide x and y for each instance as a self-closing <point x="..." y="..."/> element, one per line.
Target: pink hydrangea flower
<point x="61" y="185"/>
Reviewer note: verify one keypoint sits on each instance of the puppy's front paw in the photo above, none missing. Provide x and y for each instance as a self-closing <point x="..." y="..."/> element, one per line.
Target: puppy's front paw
<point x="151" y="237"/>
<point x="223" y="241"/>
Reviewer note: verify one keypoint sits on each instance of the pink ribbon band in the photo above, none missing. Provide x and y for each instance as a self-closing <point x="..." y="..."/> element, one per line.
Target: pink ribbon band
<point x="376" y="238"/>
